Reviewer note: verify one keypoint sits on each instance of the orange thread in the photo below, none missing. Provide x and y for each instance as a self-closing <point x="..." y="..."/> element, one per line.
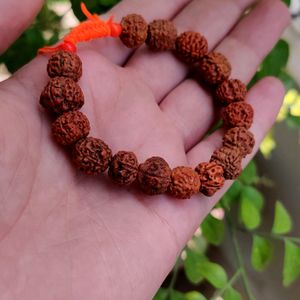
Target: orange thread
<point x="90" y="29"/>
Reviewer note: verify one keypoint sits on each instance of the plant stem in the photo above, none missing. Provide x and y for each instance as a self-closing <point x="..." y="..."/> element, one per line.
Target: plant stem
<point x="283" y="238"/>
<point x="240" y="260"/>
<point x="173" y="280"/>
<point x="228" y="284"/>
<point x="279" y="237"/>
<point x="273" y="236"/>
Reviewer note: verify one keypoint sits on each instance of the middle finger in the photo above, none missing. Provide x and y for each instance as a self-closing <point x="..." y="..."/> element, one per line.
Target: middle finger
<point x="163" y="71"/>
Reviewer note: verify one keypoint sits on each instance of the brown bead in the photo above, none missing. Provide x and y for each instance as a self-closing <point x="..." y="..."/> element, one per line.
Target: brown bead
<point x="239" y="137"/>
<point x="65" y="64"/>
<point x="185" y="183"/>
<point x="162" y="35"/>
<point x="62" y="94"/>
<point x="191" y="46"/>
<point x="230" y="159"/>
<point x="123" y="168"/>
<point x="70" y="127"/>
<point x="214" y="68"/>
<point x="154" y="176"/>
<point x="134" y="30"/>
<point x="232" y="90"/>
<point x="238" y="114"/>
<point x="211" y="177"/>
<point x="91" y="156"/>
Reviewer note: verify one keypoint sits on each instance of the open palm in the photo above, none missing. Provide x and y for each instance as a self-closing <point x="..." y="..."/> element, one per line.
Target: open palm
<point x="68" y="236"/>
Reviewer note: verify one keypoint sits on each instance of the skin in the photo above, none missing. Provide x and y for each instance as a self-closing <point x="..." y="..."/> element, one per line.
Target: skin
<point x="67" y="236"/>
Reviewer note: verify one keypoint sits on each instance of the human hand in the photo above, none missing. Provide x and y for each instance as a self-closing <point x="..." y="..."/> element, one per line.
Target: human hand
<point x="68" y="236"/>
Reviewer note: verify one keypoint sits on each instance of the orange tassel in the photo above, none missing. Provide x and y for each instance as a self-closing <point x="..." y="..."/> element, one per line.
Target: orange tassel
<point x="90" y="29"/>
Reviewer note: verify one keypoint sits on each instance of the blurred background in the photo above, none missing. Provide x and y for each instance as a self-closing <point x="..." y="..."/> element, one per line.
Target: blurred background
<point x="248" y="247"/>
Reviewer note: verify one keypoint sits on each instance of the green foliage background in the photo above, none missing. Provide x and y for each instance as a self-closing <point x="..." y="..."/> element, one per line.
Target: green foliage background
<point x="242" y="205"/>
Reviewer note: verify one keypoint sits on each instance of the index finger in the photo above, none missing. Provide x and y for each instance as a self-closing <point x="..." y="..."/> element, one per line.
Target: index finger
<point x="113" y="49"/>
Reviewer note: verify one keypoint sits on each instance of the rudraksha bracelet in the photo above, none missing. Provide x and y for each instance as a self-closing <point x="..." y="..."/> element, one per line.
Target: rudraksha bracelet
<point x="63" y="97"/>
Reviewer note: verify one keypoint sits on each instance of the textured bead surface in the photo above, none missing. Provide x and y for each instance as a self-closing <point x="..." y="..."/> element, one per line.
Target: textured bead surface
<point x="211" y="177"/>
<point x="154" y="176"/>
<point x="123" y="168"/>
<point x="62" y="94"/>
<point x="214" y="68"/>
<point x="230" y="159"/>
<point x="232" y="90"/>
<point x="191" y="46"/>
<point x="161" y="35"/>
<point x="185" y="182"/>
<point x="70" y="127"/>
<point x="134" y="30"/>
<point x="91" y="156"/>
<point x="239" y="137"/>
<point x="65" y="64"/>
<point x="238" y="114"/>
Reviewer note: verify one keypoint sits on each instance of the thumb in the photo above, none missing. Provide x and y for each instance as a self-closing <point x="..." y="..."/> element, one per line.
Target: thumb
<point x="16" y="15"/>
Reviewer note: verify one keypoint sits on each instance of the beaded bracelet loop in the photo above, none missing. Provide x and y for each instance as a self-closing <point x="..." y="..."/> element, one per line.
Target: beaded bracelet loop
<point x="63" y="97"/>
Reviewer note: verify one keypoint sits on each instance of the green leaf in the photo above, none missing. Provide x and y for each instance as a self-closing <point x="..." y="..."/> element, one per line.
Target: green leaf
<point x="250" y="215"/>
<point x="293" y="122"/>
<point x="235" y="189"/>
<point x="262" y="252"/>
<point x="249" y="175"/>
<point x="192" y="266"/>
<point x="291" y="265"/>
<point x="254" y="195"/>
<point x="162" y="294"/>
<point x="197" y="267"/>
<point x="287" y="2"/>
<point x="276" y="60"/>
<point x="198" y="244"/>
<point x="232" y="194"/>
<point x="250" y="209"/>
<point x="175" y="295"/>
<point x="282" y="220"/>
<point x="193" y="295"/>
<point x="214" y="274"/>
<point x="213" y="230"/>
<point x="232" y="294"/>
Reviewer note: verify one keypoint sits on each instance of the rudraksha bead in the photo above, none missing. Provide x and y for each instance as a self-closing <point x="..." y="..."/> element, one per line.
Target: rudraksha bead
<point x="162" y="35"/>
<point x="230" y="159"/>
<point x="91" y="156"/>
<point x="62" y="94"/>
<point x="134" y="30"/>
<point x="70" y="127"/>
<point x="239" y="137"/>
<point x="154" y="176"/>
<point x="191" y="46"/>
<point x="214" y="68"/>
<point x="211" y="177"/>
<point x="232" y="90"/>
<point x="65" y="64"/>
<point x="123" y="168"/>
<point x="185" y="182"/>
<point x="238" y="114"/>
